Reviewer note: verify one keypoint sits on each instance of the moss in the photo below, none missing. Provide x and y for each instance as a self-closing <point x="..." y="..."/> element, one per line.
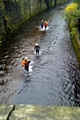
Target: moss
<point x="1" y="39"/>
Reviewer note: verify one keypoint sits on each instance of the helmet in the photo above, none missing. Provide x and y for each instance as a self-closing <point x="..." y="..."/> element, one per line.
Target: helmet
<point x="36" y="43"/>
<point x="25" y="58"/>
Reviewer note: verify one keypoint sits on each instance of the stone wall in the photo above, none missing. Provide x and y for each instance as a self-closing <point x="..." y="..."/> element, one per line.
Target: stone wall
<point x="76" y="46"/>
<point x="17" y="12"/>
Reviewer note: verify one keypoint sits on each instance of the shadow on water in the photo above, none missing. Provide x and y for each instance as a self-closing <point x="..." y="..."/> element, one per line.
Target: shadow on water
<point x="37" y="57"/>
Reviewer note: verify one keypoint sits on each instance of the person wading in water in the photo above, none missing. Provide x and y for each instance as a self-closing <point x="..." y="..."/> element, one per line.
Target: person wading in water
<point x="25" y="63"/>
<point x="37" y="48"/>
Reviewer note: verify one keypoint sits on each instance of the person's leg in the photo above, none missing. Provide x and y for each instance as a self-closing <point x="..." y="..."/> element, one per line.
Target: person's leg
<point x="41" y="25"/>
<point x="28" y="68"/>
<point x="36" y="51"/>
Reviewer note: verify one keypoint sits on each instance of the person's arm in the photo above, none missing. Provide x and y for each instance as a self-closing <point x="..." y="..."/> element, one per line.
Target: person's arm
<point x="29" y="62"/>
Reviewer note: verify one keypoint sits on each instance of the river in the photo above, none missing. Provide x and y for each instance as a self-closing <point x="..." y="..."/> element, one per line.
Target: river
<point x="54" y="72"/>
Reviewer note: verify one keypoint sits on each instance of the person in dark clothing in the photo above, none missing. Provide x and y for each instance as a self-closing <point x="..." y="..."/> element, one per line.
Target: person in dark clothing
<point x="37" y="48"/>
<point x="42" y="23"/>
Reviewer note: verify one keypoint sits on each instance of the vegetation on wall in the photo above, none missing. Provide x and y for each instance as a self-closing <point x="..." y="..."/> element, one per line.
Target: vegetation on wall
<point x="72" y="14"/>
<point x="78" y="2"/>
<point x="7" y="25"/>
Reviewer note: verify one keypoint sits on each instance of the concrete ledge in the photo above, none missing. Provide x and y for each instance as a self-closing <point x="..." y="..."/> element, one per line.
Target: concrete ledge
<point x="5" y="111"/>
<point x="28" y="112"/>
<point x="32" y="112"/>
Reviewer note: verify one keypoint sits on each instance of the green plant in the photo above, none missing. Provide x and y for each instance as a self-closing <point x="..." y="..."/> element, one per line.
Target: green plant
<point x="73" y="32"/>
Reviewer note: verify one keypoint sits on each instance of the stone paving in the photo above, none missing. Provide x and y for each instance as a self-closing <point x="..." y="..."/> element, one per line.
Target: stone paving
<point x="4" y="111"/>
<point x="32" y="112"/>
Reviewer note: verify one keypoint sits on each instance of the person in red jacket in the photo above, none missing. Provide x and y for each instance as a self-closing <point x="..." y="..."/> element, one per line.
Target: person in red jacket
<point x="45" y="24"/>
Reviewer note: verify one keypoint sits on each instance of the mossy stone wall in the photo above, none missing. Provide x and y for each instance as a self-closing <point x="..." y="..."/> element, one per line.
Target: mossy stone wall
<point x="17" y="12"/>
<point x="76" y="46"/>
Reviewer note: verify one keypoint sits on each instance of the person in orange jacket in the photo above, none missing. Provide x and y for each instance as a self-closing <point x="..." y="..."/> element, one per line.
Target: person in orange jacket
<point x="25" y="63"/>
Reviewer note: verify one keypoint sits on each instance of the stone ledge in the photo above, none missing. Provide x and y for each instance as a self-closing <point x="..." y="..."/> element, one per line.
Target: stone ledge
<point x="28" y="112"/>
<point x="32" y="112"/>
<point x="4" y="111"/>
